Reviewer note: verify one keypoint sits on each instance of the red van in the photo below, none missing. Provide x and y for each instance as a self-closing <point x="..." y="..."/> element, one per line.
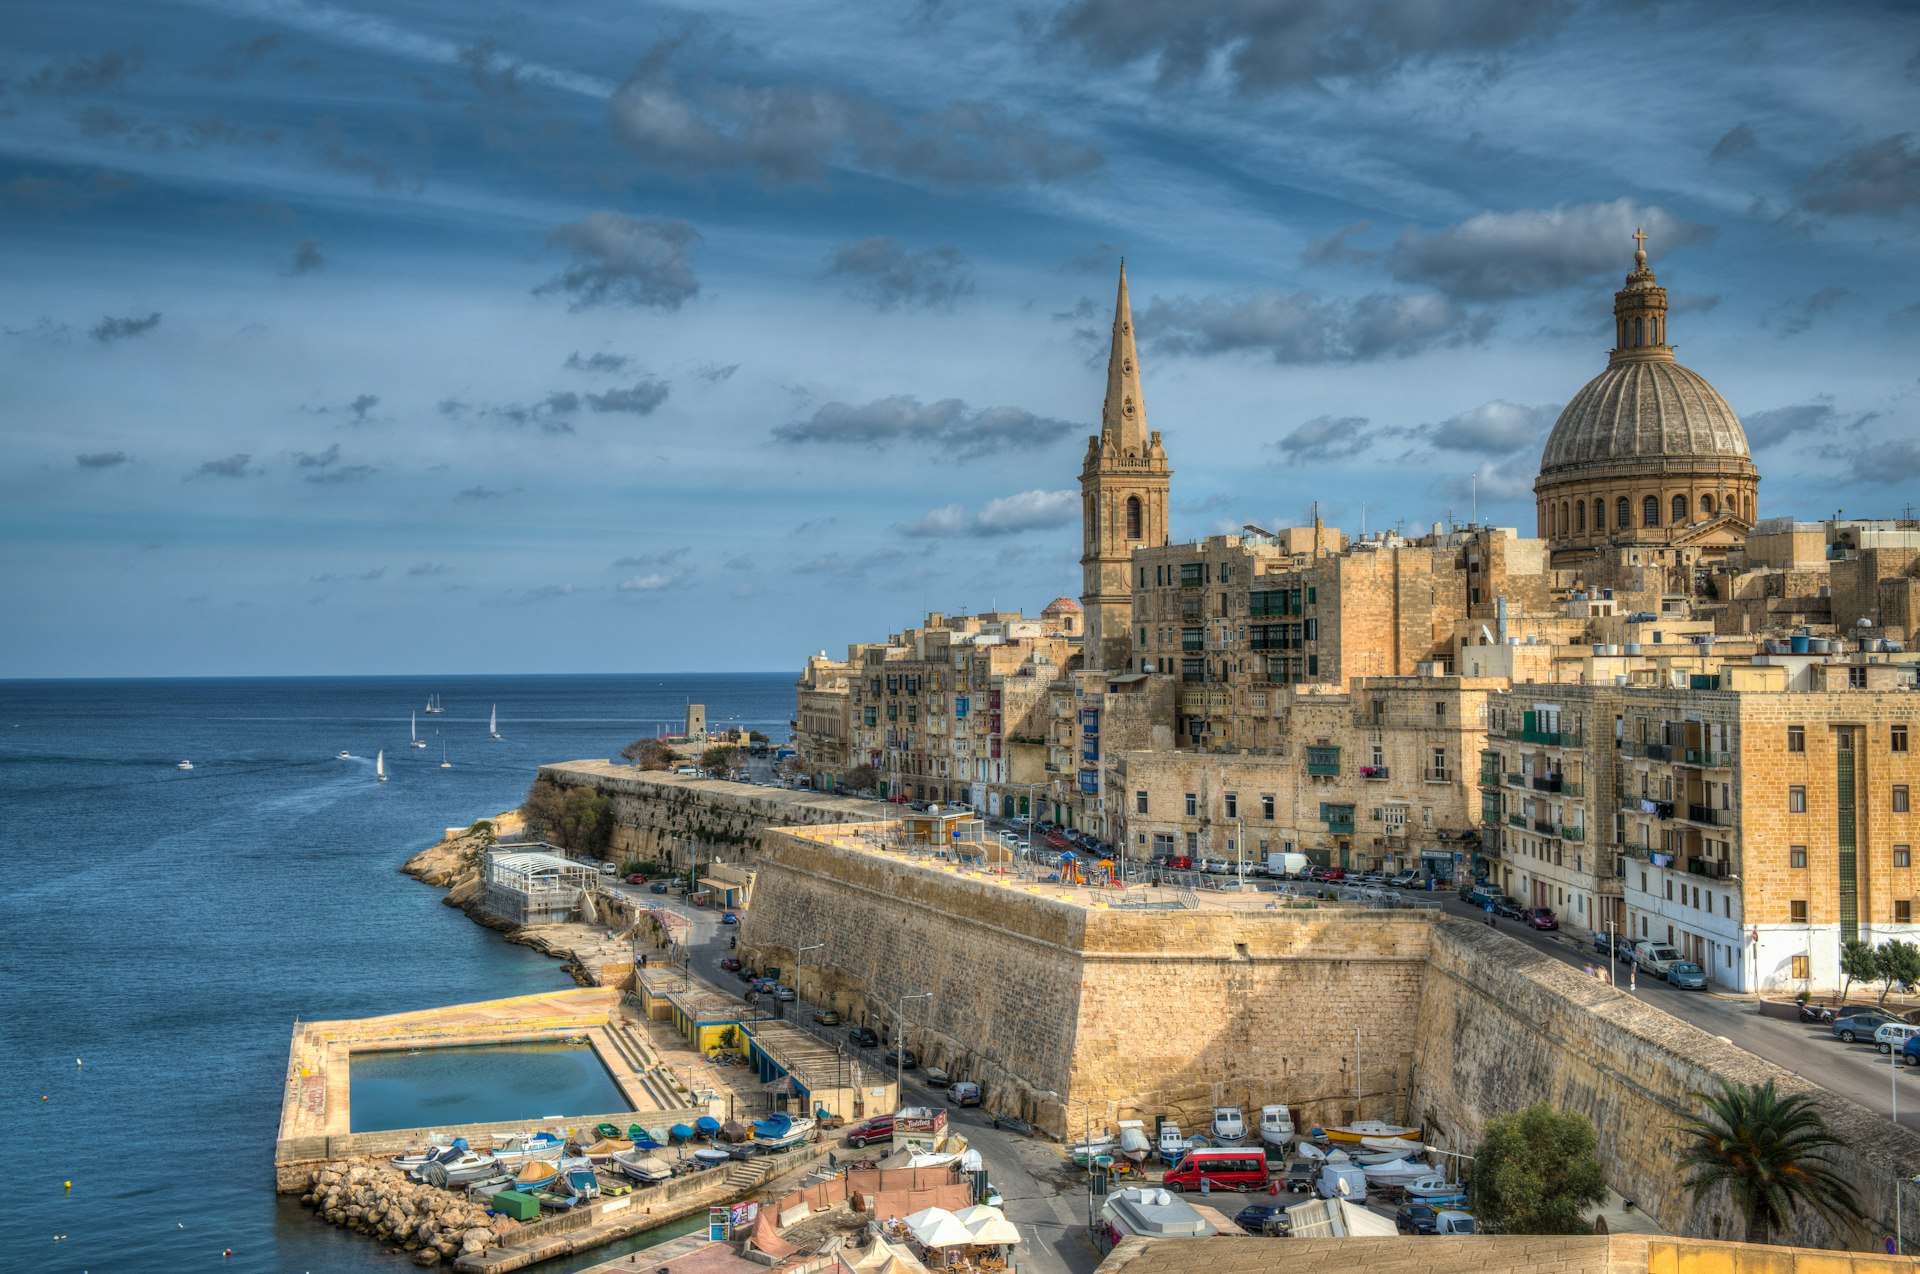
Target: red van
<point x="1180" y="862"/>
<point x="1222" y="1167"/>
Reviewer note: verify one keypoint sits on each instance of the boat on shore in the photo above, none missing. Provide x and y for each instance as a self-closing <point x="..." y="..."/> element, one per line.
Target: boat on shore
<point x="1229" y="1126"/>
<point x="1134" y="1145"/>
<point x="523" y="1146"/>
<point x="778" y="1131"/>
<point x="1276" y="1126"/>
<point x="465" y="1167"/>
<point x="420" y="1156"/>
<point x="642" y="1166"/>
<point x="1171" y="1144"/>
<point x="1357" y="1132"/>
<point x="1396" y="1172"/>
<point x="1083" y="1152"/>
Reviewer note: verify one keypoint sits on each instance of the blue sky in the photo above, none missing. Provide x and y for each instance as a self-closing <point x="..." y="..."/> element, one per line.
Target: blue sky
<point x="492" y="337"/>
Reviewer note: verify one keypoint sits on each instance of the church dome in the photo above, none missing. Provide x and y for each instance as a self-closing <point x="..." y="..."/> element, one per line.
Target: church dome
<point x="1062" y="606"/>
<point x="1644" y="410"/>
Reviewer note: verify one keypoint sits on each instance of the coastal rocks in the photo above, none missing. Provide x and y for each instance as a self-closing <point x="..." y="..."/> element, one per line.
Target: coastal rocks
<point x="434" y="1225"/>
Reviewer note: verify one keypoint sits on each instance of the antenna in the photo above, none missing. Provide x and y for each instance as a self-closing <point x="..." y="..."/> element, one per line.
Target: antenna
<point x="1476" y="498"/>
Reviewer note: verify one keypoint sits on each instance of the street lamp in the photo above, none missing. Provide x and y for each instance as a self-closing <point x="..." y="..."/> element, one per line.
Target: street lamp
<point x="900" y="1043"/>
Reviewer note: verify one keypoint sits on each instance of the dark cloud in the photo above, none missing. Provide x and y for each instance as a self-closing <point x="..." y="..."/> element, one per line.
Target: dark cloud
<point x="101" y="459"/>
<point x="785" y="134"/>
<point x="596" y="362"/>
<point x="1887" y="462"/>
<point x="652" y="561"/>
<point x="496" y="75"/>
<point x="345" y="473"/>
<point x="888" y="276"/>
<point x="1799" y="315"/>
<point x="238" y="465"/>
<point x="317" y="459"/>
<point x="361" y="405"/>
<point x="1737" y="140"/>
<point x="1504" y="254"/>
<point x="1881" y="179"/>
<point x="543" y="593"/>
<point x="618" y="260"/>
<point x="35" y="193"/>
<point x="739" y="563"/>
<point x="106" y="73"/>
<point x="45" y="331"/>
<point x="333" y="148"/>
<point x="307" y="257"/>
<point x="422" y="570"/>
<point x="1902" y="317"/>
<point x="1335" y="247"/>
<point x="111" y="329"/>
<point x="482" y="493"/>
<point x="1008" y="515"/>
<point x="856" y="570"/>
<point x="714" y="373"/>
<point x="1779" y="424"/>
<point x="1324" y="438"/>
<point x="1262" y="46"/>
<point x="1494" y="426"/>
<point x="237" y="59"/>
<point x="1305" y="327"/>
<point x="364" y="577"/>
<point x="948" y="425"/>
<point x="640" y="399"/>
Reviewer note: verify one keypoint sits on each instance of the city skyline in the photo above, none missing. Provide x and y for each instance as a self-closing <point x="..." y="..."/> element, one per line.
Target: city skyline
<point x="363" y="341"/>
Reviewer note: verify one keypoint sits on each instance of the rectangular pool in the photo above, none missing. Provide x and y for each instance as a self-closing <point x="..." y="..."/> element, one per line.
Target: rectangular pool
<point x="491" y="1083"/>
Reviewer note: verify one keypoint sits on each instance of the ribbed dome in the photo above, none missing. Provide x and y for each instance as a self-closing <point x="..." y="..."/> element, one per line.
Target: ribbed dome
<point x="1644" y="409"/>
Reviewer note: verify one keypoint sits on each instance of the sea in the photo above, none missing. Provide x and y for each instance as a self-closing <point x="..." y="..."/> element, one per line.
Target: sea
<point x="161" y="930"/>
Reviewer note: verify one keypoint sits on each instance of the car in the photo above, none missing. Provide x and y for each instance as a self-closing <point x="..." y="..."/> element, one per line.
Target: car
<point x="863" y="1037"/>
<point x="1689" y="976"/>
<point x="1542" y="918"/>
<point x="1654" y="957"/>
<point x="1262" y="1218"/>
<point x="1405" y="880"/>
<point x="826" y="1017"/>
<point x="879" y="1128"/>
<point x="1020" y="820"/>
<point x="1892" y="1035"/>
<point x="1056" y="840"/>
<point x="1416" y="1218"/>
<point x="784" y="994"/>
<point x="905" y="1058"/>
<point x="728" y="918"/>
<point x="964" y="1093"/>
<point x="745" y="974"/>
<point x="1860" y="1024"/>
<point x="1510" y="908"/>
<point x="1609" y="944"/>
<point x="1179" y="862"/>
<point x="730" y="964"/>
<point x="657" y="887"/>
<point x="1480" y="893"/>
<point x="1299" y="1176"/>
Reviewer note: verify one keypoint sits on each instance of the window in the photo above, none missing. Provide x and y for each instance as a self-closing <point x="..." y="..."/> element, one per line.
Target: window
<point x="1796" y="800"/>
<point x="1857" y="677"/>
<point x="1679" y="508"/>
<point x="1133" y="517"/>
<point x="1902" y="856"/>
<point x="1622" y="514"/>
<point x="1599" y="515"/>
<point x="1440" y="710"/>
<point x="1580" y="516"/>
<point x="1193" y="805"/>
<point x="1706" y="504"/>
<point x="1233" y="805"/>
<point x="1797" y="911"/>
<point x="1266" y="808"/>
<point x="1800" y="967"/>
<point x="1193" y="843"/>
<point x="1650" y="511"/>
<point x="1899" y="740"/>
<point x="1899" y="798"/>
<point x="1902" y="911"/>
<point x="1797" y="857"/>
<point x="1139" y="802"/>
<point x="1312" y="596"/>
<point x="1796" y="738"/>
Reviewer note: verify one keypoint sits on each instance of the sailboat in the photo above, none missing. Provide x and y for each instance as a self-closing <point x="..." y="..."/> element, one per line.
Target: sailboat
<point x="184" y="765"/>
<point x="413" y="732"/>
<point x="380" y="765"/>
<point x="433" y="705"/>
<point x="493" y="722"/>
<point x="444" y="763"/>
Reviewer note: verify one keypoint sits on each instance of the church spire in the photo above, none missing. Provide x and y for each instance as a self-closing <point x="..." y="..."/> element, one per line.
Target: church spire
<point x="1640" y="312"/>
<point x="1123" y="418"/>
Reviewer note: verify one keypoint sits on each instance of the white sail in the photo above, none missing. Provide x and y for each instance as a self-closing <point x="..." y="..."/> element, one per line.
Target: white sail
<point x="380" y="765"/>
<point x="493" y="721"/>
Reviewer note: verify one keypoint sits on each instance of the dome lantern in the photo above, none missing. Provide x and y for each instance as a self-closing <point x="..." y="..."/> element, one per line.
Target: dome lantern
<point x="1640" y="311"/>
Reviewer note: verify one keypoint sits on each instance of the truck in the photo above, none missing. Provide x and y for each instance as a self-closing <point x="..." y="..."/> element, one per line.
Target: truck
<point x="1288" y="865"/>
<point x="1655" y="957"/>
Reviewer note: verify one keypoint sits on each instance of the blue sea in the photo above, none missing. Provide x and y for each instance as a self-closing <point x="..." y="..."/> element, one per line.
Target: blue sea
<point x="161" y="930"/>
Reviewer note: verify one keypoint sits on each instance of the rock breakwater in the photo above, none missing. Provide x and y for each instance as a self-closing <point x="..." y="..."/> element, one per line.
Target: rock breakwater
<point x="433" y="1225"/>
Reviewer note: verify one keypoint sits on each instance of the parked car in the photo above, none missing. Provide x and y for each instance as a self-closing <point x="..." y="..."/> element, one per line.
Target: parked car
<point x="1688" y="976"/>
<point x="1542" y="918"/>
<point x="1020" y="820"/>
<point x="1405" y="880"/>
<point x="1654" y="957"/>
<point x="964" y="1093"/>
<point x="729" y="918"/>
<point x="1610" y="944"/>
<point x="1299" y="1176"/>
<point x="745" y="974"/>
<point x="1416" y="1218"/>
<point x="1269" y="1219"/>
<point x="1510" y="908"/>
<point x="1910" y="1051"/>
<point x="784" y="994"/>
<point x="1179" y="862"/>
<point x="1860" y="1024"/>
<point x="904" y="1058"/>
<point x="1480" y="893"/>
<point x="879" y="1128"/>
<point x="1894" y="1035"/>
<point x="730" y="964"/>
<point x="863" y="1037"/>
<point x="826" y="1017"/>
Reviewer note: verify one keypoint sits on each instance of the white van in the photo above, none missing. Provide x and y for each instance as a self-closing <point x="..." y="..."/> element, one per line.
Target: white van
<point x="1342" y="1181"/>
<point x="605" y="869"/>
<point x="1893" y="1036"/>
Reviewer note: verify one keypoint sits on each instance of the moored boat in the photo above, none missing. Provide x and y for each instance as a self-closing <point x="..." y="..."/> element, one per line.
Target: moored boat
<point x="1435" y="1187"/>
<point x="642" y="1166"/>
<point x="466" y="1166"/>
<point x="779" y="1131"/>
<point x="1396" y="1172"/>
<point x="1358" y="1131"/>
<point x="1229" y="1126"/>
<point x="1276" y="1126"/>
<point x="535" y="1174"/>
<point x="1171" y="1145"/>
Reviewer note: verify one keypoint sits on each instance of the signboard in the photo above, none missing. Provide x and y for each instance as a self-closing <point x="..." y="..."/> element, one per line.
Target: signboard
<point x="744" y="1213"/>
<point x="717" y="1221"/>
<point x="920" y="1127"/>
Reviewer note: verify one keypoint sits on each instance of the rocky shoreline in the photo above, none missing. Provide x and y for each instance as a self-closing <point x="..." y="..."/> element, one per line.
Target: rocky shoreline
<point x="433" y="1225"/>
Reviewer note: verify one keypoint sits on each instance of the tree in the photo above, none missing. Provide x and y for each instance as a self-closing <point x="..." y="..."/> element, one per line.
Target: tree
<point x="1896" y="962"/>
<point x="1536" y="1172"/>
<point x="586" y="821"/>
<point x="1857" y="962"/>
<point x="1765" y="1149"/>
<point x="545" y="810"/>
<point x="754" y="736"/>
<point x="861" y="778"/>
<point x="720" y="759"/>
<point x="649" y="754"/>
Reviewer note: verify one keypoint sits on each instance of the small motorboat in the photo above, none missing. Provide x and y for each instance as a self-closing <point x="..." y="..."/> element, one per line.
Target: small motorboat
<point x="420" y="1156"/>
<point x="1358" y="1131"/>
<point x="1433" y="1188"/>
<point x="581" y="1184"/>
<point x="536" y="1174"/>
<point x="642" y="1166"/>
<point x="1229" y="1126"/>
<point x="681" y="1132"/>
<point x="937" y="1076"/>
<point x="1311" y="1152"/>
<point x="1171" y="1145"/>
<point x="606" y="1148"/>
<point x="646" y="1138"/>
<point x="464" y="1168"/>
<point x="1396" y="1172"/>
<point x="1134" y="1145"/>
<point x="1392" y="1145"/>
<point x="525" y="1146"/>
<point x="707" y="1126"/>
<point x="482" y="1191"/>
<point x="1276" y="1126"/>
<point x="345" y="755"/>
<point x="610" y="1132"/>
<point x="709" y="1157"/>
<point x="779" y="1131"/>
<point x="184" y="765"/>
<point x="1083" y="1152"/>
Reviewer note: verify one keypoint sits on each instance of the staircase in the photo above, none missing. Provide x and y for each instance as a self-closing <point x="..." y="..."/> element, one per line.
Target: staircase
<point x="746" y="1174"/>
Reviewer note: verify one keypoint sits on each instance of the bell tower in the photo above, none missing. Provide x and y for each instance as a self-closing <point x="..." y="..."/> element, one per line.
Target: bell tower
<point x="1123" y="489"/>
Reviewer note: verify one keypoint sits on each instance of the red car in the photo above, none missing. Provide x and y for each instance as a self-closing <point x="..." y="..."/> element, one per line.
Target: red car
<point x="1179" y="862"/>
<point x="1542" y="918"/>
<point x="730" y="964"/>
<point x="879" y="1128"/>
<point x="1056" y="841"/>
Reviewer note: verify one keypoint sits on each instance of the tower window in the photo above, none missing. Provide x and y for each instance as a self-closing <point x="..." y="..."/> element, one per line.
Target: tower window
<point x="1639" y="332"/>
<point x="1679" y="508"/>
<point x="1622" y="514"/>
<point x="1580" y="516"/>
<point x="1133" y="517"/>
<point x="1650" y="511"/>
<point x="1706" y="504"/>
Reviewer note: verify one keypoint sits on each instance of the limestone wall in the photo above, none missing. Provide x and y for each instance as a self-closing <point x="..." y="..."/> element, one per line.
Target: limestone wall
<point x="1501" y="1026"/>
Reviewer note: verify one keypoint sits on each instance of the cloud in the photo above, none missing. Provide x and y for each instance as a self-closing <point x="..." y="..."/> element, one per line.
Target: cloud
<point x="101" y="459"/>
<point x="1494" y="426"/>
<point x="1778" y="424"/>
<point x="653" y="582"/>
<point x="856" y="570"/>
<point x="103" y="74"/>
<point x="316" y="459"/>
<point x="423" y="570"/>
<point x="1008" y="515"/>
<point x="34" y="193"/>
<point x="948" y="425"/>
<point x="1881" y="179"/>
<point x="237" y="465"/>
<point x="651" y="561"/>
<point x="103" y="123"/>
<point x="1799" y="315"/>
<point x="1887" y="462"/>
<point x="345" y="473"/>
<point x="639" y="400"/>
<point x="740" y="563"/>
<point x="482" y="493"/>
<point x="714" y="373"/>
<point x="1334" y="247"/>
<point x="596" y="362"/>
<point x="1493" y="480"/>
<point x="1902" y="317"/>
<point x="1324" y="438"/>
<point x="1503" y="254"/>
<point x="1261" y="46"/>
<point x="1099" y="258"/>
<point x="110" y="329"/>
<point x="361" y="405"/>
<point x="306" y="258"/>
<point x="331" y="146"/>
<point x="544" y="593"/>
<point x="618" y="260"/>
<point x="365" y="577"/>
<point x="889" y="276"/>
<point x="787" y="134"/>
<point x="46" y="331"/>
<point x="1305" y="327"/>
<point x="1737" y="140"/>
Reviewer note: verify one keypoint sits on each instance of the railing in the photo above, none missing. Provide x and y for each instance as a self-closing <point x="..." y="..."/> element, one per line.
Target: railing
<point x="1710" y="867"/>
<point x="1708" y="759"/>
<point x="1708" y="815"/>
<point x="1546" y="827"/>
<point x="1651" y="751"/>
<point x="1633" y="851"/>
<point x="1376" y="773"/>
<point x="1323" y="768"/>
<point x="1516" y="780"/>
<point x="1572" y="833"/>
<point x="1546" y="782"/>
<point x="1572" y="787"/>
<point x="1547" y="738"/>
<point x="1517" y="820"/>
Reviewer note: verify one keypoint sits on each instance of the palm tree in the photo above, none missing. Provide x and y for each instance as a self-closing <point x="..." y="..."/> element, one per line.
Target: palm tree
<point x="1765" y="1148"/>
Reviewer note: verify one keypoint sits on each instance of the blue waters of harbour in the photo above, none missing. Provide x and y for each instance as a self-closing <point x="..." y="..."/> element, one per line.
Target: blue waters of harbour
<point x="167" y="927"/>
<point x="489" y="1084"/>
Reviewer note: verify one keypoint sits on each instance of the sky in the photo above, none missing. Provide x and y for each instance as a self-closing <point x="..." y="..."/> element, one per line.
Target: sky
<point x="425" y="337"/>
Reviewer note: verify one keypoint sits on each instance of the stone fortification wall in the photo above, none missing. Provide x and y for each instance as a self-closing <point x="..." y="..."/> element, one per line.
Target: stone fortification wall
<point x="655" y="814"/>
<point x="1501" y="1027"/>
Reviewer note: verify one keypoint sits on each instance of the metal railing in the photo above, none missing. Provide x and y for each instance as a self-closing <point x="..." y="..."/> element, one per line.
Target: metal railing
<point x="1708" y="759"/>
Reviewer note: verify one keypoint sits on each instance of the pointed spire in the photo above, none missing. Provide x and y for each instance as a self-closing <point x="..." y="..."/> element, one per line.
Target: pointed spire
<point x="1123" y="418"/>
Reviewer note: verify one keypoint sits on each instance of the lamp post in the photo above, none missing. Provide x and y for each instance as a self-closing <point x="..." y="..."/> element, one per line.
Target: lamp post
<point x="900" y="1043"/>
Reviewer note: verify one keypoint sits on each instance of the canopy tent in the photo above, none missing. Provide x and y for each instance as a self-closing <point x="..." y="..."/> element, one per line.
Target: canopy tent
<point x="937" y="1227"/>
<point x="988" y="1225"/>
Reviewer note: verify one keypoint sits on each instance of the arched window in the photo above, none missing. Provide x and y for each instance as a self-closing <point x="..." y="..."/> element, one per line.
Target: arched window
<point x="1620" y="333"/>
<point x="1566" y="518"/>
<point x="1679" y="509"/>
<point x="1706" y="504"/>
<point x="1622" y="514"/>
<point x="1639" y="332"/>
<point x="1580" y="517"/>
<point x="1650" y="511"/>
<point x="1133" y="517"/>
